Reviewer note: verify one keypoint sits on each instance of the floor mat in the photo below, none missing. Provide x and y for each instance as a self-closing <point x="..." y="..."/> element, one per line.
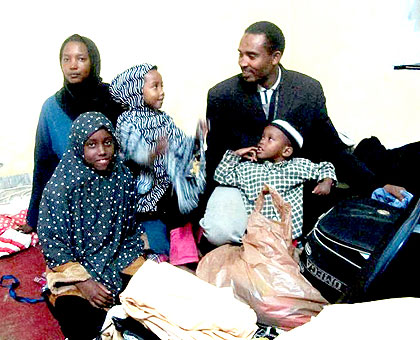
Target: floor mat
<point x="24" y="321"/>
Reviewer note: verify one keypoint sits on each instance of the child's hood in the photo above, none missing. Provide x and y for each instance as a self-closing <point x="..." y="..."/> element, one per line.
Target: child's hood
<point x="127" y="87"/>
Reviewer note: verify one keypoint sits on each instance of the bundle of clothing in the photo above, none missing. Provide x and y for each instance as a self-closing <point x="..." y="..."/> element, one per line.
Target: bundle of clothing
<point x="11" y="240"/>
<point x="175" y="304"/>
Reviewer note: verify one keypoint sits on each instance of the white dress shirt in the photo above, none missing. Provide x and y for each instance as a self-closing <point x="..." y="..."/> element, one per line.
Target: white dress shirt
<point x="266" y="94"/>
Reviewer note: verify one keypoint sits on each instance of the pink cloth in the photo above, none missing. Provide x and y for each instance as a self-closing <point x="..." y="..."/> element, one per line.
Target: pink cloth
<point x="183" y="248"/>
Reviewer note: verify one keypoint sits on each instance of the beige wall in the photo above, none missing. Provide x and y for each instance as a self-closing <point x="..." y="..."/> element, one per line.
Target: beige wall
<point x="350" y="46"/>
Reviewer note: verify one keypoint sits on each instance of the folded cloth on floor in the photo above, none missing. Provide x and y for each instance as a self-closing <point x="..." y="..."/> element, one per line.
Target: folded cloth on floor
<point x="11" y="240"/>
<point x="175" y="304"/>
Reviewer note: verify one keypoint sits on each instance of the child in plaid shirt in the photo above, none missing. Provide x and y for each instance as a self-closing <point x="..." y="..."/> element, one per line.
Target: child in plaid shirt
<point x="272" y="163"/>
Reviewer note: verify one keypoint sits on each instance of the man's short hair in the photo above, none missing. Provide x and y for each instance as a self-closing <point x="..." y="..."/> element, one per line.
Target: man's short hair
<point x="273" y="34"/>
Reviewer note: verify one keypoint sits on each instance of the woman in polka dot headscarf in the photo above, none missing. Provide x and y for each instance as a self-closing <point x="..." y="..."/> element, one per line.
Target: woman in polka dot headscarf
<point x="86" y="227"/>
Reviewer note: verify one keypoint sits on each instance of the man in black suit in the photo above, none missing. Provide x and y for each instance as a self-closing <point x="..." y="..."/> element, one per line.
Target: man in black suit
<point x="240" y="107"/>
<point x="238" y="111"/>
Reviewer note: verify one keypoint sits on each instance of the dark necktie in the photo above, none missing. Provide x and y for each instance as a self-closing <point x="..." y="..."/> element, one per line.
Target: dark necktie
<point x="272" y="107"/>
<point x="265" y="96"/>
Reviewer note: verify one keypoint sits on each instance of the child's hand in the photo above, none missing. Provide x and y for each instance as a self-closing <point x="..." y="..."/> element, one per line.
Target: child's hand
<point x="248" y="153"/>
<point x="324" y="187"/>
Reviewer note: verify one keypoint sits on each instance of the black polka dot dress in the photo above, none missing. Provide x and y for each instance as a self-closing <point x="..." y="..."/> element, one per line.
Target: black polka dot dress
<point x="87" y="216"/>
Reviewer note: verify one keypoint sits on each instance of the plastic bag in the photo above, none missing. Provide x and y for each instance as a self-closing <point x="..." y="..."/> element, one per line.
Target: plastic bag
<point x="262" y="271"/>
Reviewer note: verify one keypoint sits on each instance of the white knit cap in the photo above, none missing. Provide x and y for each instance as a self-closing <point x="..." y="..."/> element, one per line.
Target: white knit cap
<point x="289" y="131"/>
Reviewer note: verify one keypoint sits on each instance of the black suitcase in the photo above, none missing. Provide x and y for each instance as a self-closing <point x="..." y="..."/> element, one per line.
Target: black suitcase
<point x="362" y="250"/>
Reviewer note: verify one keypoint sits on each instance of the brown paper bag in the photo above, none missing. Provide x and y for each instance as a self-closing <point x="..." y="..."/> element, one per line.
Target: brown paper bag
<point x="262" y="272"/>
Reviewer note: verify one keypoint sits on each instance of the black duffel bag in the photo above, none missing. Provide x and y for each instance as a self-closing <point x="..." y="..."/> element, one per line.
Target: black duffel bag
<point x="360" y="251"/>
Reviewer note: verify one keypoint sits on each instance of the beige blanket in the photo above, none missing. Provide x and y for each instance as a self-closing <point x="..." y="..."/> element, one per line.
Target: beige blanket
<point x="175" y="304"/>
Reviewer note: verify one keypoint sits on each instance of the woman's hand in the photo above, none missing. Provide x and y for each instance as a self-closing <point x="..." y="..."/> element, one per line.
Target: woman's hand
<point x="96" y="293"/>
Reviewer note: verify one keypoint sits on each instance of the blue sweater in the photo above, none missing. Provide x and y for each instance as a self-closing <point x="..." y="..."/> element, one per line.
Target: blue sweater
<point x="50" y="143"/>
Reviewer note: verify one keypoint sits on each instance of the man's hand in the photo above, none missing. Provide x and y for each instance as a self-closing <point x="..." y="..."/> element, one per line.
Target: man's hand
<point x="25" y="228"/>
<point x="323" y="187"/>
<point x="395" y="190"/>
<point x="96" y="293"/>
<point x="248" y="153"/>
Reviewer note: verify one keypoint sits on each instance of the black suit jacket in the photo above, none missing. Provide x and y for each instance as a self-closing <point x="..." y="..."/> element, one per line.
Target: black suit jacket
<point x="237" y="120"/>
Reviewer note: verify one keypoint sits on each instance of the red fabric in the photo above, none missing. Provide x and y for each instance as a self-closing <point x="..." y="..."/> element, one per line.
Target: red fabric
<point x="11" y="221"/>
<point x="12" y="242"/>
<point x="7" y="221"/>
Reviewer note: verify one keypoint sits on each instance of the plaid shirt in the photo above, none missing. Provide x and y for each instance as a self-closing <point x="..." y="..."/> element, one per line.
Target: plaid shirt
<point x="287" y="177"/>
